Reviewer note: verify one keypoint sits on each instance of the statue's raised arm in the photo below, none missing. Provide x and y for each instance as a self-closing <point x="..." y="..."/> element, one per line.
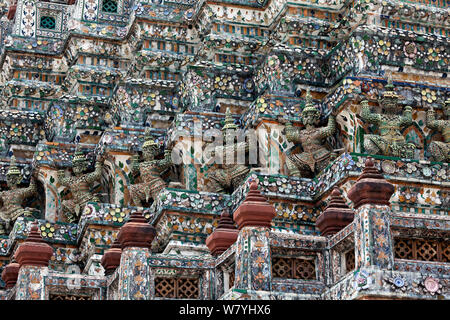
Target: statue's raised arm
<point x="292" y="134"/>
<point x="330" y="128"/>
<point x="367" y="115"/>
<point x="62" y="180"/>
<point x="432" y="123"/>
<point x="406" y="119"/>
<point x="166" y="162"/>
<point x="31" y="190"/>
<point x="97" y="174"/>
<point x="440" y="150"/>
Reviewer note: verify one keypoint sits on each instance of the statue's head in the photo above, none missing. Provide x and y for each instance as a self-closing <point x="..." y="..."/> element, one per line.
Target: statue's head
<point x="389" y="101"/>
<point x="13" y="176"/>
<point x="229" y="127"/>
<point x="310" y="114"/>
<point x="150" y="148"/>
<point x="79" y="163"/>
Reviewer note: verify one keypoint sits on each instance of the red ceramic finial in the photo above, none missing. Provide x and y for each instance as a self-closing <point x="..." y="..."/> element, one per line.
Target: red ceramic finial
<point x="371" y="187"/>
<point x="137" y="232"/>
<point x="111" y="258"/>
<point x="116" y="244"/>
<point x="223" y="236"/>
<point x="254" y="194"/>
<point x="10" y="274"/>
<point x="336" y="200"/>
<point x="34" y="251"/>
<point x="255" y="211"/>
<point x="137" y="217"/>
<point x="335" y="192"/>
<point x="226" y="222"/>
<point x="12" y="11"/>
<point x="336" y="216"/>
<point x="370" y="171"/>
<point x="34" y="235"/>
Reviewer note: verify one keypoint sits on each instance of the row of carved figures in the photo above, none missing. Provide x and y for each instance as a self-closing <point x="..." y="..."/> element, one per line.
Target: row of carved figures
<point x="315" y="156"/>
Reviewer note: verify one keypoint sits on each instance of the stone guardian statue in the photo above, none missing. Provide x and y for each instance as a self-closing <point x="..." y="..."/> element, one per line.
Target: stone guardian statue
<point x="390" y="141"/>
<point x="79" y="185"/>
<point x="150" y="170"/>
<point x="315" y="156"/>
<point x="440" y="150"/>
<point x="12" y="199"/>
<point x="228" y="176"/>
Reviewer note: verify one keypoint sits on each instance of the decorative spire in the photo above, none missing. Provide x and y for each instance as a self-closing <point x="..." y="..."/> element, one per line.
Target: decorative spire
<point x="254" y="194"/>
<point x="13" y="169"/>
<point x="255" y="211"/>
<point x="137" y="217"/>
<point x="137" y="232"/>
<point x="35" y="235"/>
<point x="336" y="200"/>
<point x="34" y="251"/>
<point x="336" y="216"/>
<point x="371" y="187"/>
<point x="10" y="274"/>
<point x="309" y="104"/>
<point x="389" y="92"/>
<point x="225" y="221"/>
<point x="78" y="156"/>
<point x="229" y="122"/>
<point x="111" y="258"/>
<point x="223" y="236"/>
<point x="370" y="171"/>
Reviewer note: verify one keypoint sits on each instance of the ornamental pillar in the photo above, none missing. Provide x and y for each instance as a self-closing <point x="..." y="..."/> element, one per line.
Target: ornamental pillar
<point x="135" y="238"/>
<point x="370" y="195"/>
<point x="253" y="259"/>
<point x="33" y="257"/>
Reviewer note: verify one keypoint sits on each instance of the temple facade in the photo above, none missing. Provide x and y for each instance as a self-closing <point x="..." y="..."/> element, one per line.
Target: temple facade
<point x="223" y="150"/>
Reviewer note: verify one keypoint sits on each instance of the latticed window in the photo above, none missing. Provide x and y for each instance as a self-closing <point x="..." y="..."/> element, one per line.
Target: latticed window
<point x="177" y="288"/>
<point x="350" y="260"/>
<point x="68" y="297"/>
<point x="421" y="249"/>
<point x="48" y="22"/>
<point x="109" y="6"/>
<point x="293" y="268"/>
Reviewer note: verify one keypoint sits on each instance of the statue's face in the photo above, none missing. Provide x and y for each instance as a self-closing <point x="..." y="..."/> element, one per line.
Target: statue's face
<point x="13" y="180"/>
<point x="310" y="118"/>
<point x="149" y="153"/>
<point x="78" y="168"/>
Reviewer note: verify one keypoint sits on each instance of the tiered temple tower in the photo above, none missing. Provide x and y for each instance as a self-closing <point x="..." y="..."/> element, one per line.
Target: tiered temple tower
<point x="107" y="107"/>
